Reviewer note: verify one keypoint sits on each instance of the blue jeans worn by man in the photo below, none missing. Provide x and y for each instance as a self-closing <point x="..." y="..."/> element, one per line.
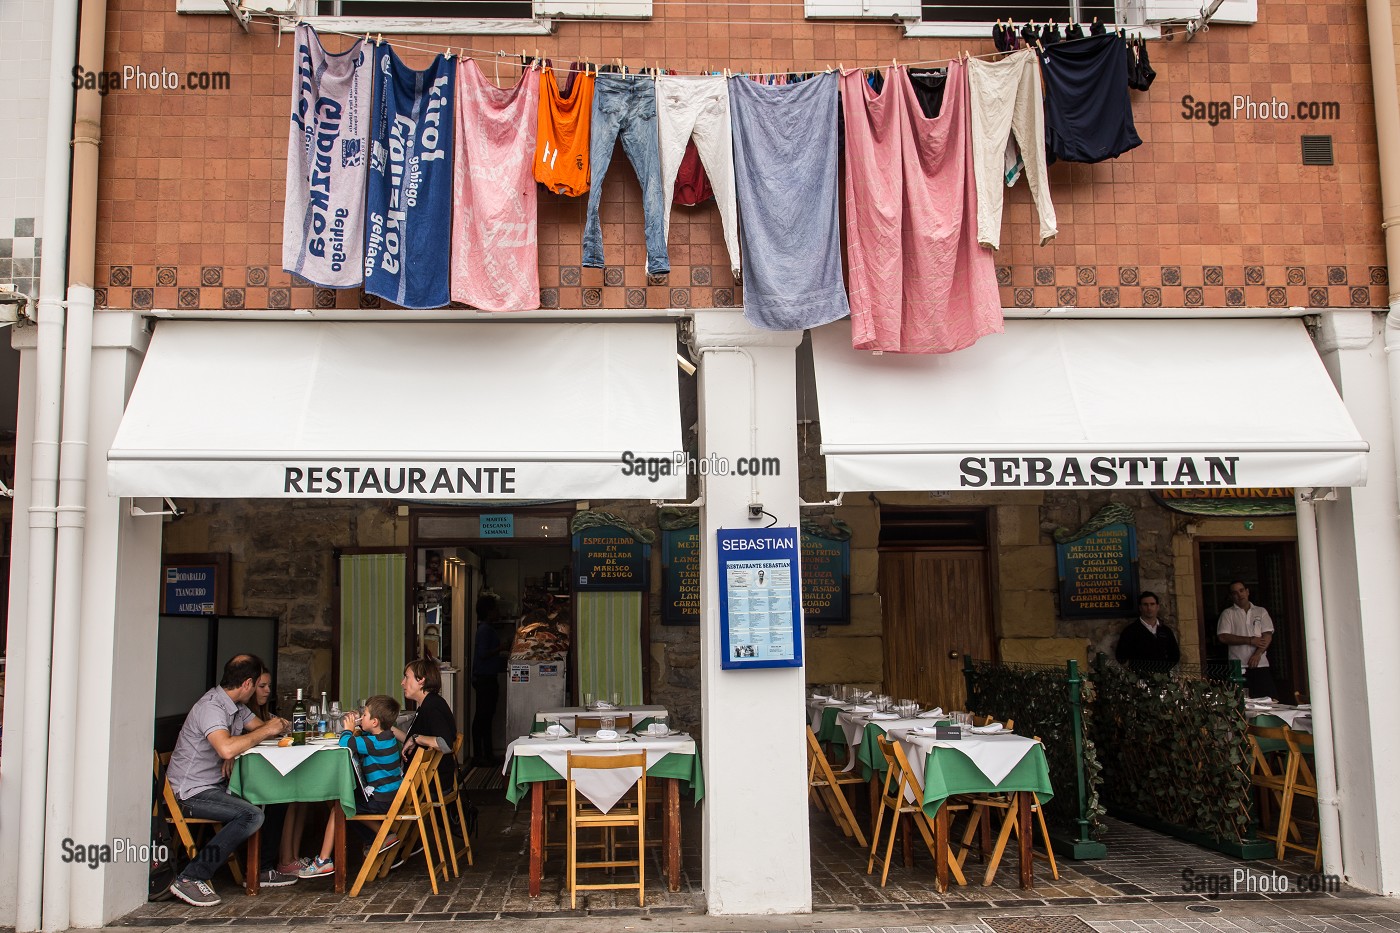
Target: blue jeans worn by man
<point x="625" y="107"/>
<point x="240" y="818"/>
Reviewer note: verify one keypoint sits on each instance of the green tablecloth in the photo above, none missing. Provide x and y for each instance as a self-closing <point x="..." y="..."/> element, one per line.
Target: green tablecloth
<point x="948" y="772"/>
<point x="830" y="731"/>
<point x="531" y="769"/>
<point x="326" y="775"/>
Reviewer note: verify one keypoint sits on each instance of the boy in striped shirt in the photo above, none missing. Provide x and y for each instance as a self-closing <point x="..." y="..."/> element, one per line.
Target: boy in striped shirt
<point x="371" y="740"/>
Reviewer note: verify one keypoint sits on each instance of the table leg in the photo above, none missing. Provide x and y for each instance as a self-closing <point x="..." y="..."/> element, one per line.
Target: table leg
<point x="940" y="846"/>
<point x="875" y="789"/>
<point x="908" y="840"/>
<point x="1023" y="820"/>
<point x="252" y="860"/>
<point x="338" y="815"/>
<point x="536" y="836"/>
<point x="673" y="833"/>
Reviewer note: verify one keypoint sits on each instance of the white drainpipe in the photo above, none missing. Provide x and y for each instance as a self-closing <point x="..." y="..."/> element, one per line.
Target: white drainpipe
<point x="1319" y="691"/>
<point x="43" y="496"/>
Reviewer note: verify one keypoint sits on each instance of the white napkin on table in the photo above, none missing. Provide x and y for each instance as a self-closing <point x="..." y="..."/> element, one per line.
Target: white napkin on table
<point x="935" y="713"/>
<point x="991" y="728"/>
<point x="884" y="715"/>
<point x="608" y="734"/>
<point x="286" y="759"/>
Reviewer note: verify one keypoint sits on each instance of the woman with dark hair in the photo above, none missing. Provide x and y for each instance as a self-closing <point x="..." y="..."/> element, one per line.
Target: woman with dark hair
<point x="434" y="726"/>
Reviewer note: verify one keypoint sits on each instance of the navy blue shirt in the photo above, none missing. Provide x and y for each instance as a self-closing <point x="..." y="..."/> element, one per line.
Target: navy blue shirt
<point x="486" y="655"/>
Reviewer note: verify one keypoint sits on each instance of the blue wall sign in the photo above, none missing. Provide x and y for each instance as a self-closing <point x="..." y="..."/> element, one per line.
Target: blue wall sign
<point x="190" y="589"/>
<point x="760" y="593"/>
<point x="497" y="526"/>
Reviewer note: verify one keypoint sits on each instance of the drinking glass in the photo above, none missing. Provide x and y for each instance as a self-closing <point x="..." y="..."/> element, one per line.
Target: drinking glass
<point x="607" y="722"/>
<point x="588" y="699"/>
<point x="663" y="720"/>
<point x="616" y="698"/>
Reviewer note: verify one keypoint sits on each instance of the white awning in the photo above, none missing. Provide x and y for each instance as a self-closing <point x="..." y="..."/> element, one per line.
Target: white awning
<point x="1088" y="404"/>
<point x="411" y="410"/>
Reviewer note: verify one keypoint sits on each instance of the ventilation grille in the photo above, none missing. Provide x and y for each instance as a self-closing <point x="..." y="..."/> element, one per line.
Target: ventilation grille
<point x="1317" y="150"/>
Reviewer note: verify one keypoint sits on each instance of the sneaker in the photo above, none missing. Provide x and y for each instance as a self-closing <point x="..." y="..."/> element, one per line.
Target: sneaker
<point x="292" y="868"/>
<point x="317" y="868"/>
<point x="194" y="893"/>
<point x="389" y="843"/>
<point x="272" y="878"/>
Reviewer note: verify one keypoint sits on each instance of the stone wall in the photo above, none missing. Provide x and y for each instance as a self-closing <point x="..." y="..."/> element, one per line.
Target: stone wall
<point x="283" y="566"/>
<point x="1025" y="587"/>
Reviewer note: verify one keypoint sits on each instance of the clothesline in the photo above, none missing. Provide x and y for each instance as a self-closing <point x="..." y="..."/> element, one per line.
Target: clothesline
<point x="503" y="56"/>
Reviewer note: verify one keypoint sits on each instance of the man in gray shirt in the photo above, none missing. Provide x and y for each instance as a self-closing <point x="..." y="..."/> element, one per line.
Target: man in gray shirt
<point x="218" y="729"/>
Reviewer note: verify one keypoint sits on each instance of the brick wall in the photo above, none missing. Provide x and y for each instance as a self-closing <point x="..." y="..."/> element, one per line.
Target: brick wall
<point x="190" y="212"/>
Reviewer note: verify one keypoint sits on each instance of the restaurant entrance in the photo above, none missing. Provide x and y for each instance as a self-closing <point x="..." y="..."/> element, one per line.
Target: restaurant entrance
<point x="936" y="592"/>
<point x="1270" y="570"/>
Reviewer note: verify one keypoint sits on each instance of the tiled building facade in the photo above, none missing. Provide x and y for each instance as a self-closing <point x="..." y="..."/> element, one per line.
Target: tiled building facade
<point x="190" y="212"/>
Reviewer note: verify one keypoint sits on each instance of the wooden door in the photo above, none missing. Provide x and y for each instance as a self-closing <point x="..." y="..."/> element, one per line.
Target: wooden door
<point x="936" y="610"/>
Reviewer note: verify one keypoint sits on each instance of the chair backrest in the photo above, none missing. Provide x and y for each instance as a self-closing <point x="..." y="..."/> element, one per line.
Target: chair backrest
<point x="457" y="745"/>
<point x="411" y="794"/>
<point x="1274" y="743"/>
<point x="582" y="761"/>
<point x="818" y="768"/>
<point x="897" y="775"/>
<point x="621" y="721"/>
<point x="1300" y="745"/>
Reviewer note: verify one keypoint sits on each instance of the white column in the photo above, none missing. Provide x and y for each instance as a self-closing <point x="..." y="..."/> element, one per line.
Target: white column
<point x="756" y="848"/>
<point x="1359" y="545"/>
<point x="114" y="662"/>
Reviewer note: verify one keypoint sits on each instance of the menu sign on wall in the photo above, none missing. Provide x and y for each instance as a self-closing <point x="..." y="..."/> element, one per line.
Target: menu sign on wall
<point x="1099" y="573"/>
<point x="680" y="577"/>
<point x="826" y="581"/>
<point x="609" y="559"/>
<point x="760" y="603"/>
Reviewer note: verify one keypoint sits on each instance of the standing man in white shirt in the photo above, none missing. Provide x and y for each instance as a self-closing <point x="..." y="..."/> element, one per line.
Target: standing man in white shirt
<point x="1247" y="630"/>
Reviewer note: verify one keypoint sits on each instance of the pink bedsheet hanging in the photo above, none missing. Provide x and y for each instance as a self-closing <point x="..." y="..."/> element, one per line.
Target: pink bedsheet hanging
<point x="495" y="232"/>
<point x="919" y="281"/>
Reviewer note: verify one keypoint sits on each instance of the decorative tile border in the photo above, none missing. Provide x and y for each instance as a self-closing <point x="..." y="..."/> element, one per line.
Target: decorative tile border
<point x="130" y="286"/>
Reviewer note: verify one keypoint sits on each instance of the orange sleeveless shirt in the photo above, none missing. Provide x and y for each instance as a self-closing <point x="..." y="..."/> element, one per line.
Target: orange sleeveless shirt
<point x="561" y="151"/>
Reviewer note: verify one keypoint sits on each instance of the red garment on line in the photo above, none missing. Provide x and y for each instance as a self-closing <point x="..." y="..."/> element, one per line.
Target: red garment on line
<point x="919" y="280"/>
<point x="692" y="185"/>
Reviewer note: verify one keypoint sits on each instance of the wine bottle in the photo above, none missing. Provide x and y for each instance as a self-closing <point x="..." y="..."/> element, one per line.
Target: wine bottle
<point x="299" y="720"/>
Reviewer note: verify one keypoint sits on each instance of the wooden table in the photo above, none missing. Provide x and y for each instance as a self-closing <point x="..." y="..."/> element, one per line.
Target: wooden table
<point x="673" y="759"/>
<point x="327" y="775"/>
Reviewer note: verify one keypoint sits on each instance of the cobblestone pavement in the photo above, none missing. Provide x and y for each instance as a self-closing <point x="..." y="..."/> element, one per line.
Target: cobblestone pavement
<point x="1143" y="874"/>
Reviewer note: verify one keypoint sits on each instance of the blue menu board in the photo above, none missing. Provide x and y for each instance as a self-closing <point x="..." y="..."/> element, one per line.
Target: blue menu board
<point x="760" y="596"/>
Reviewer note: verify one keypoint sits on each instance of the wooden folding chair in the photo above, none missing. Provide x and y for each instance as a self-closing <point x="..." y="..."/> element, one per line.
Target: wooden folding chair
<point x="556" y="797"/>
<point x="982" y="806"/>
<point x="441" y="801"/>
<point x="627" y="812"/>
<point x="175" y="816"/>
<point x="408" y="811"/>
<point x="902" y="795"/>
<point x="1300" y="781"/>
<point x="824" y="786"/>
<point x="1269" y="761"/>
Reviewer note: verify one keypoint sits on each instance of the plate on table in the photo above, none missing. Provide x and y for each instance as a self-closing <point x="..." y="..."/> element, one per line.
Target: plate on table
<point x="648" y="734"/>
<point x="322" y="741"/>
<point x="884" y="716"/>
<point x="269" y="743"/>
<point x="620" y="738"/>
<point x="994" y="728"/>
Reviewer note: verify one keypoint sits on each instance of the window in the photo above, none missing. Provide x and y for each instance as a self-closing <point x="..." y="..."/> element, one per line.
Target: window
<point x="1061" y="11"/>
<point x="431" y="9"/>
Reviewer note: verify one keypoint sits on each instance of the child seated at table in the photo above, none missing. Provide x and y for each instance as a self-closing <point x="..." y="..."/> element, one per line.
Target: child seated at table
<point x="371" y="740"/>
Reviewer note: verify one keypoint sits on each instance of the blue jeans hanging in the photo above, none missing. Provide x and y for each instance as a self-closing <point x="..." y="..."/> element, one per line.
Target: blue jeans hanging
<point x="626" y="107"/>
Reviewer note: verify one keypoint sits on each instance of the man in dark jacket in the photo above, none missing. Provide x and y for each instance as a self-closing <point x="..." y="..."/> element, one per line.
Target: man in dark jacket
<point x="1147" y="638"/>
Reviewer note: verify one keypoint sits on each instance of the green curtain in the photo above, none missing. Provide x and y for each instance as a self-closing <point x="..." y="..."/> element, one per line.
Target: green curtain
<point x="371" y="625"/>
<point x="610" y="644"/>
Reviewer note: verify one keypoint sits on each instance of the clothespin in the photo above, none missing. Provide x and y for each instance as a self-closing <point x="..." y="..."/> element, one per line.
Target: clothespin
<point x="378" y="39"/>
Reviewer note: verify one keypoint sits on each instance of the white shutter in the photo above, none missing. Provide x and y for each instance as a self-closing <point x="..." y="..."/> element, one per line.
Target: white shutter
<point x="218" y="6"/>
<point x="863" y="9"/>
<point x="1231" y="11"/>
<point x="593" y="9"/>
